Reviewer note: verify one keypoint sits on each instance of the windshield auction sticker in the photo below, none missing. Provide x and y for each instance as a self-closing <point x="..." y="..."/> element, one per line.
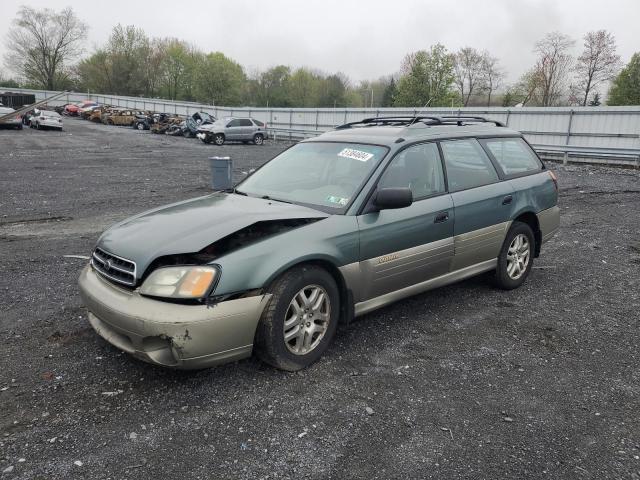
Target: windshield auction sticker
<point x="355" y="154"/>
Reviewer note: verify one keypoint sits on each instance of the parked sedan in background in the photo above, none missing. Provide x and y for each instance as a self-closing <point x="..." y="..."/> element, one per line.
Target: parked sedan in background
<point x="233" y="129"/>
<point x="11" y="122"/>
<point x="44" y="119"/>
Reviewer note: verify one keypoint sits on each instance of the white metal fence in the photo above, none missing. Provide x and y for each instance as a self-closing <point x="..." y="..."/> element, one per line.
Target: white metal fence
<point x="601" y="127"/>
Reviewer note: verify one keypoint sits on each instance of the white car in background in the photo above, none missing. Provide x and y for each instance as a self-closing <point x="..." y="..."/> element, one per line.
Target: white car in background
<point x="46" y="119"/>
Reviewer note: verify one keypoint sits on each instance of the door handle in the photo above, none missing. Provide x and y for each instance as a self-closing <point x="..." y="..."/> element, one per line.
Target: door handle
<point x="507" y="200"/>
<point x="441" y="217"/>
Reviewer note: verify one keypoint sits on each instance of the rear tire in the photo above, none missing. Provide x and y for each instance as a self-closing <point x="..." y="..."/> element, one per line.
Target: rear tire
<point x="304" y="307"/>
<point x="516" y="256"/>
<point x="258" y="139"/>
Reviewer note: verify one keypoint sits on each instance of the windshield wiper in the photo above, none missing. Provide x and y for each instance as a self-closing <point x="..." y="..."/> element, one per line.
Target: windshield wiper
<point x="267" y="197"/>
<point x="237" y="192"/>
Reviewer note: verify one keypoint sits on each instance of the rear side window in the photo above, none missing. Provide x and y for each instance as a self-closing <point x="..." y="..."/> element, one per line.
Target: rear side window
<point x="245" y="122"/>
<point x="258" y="123"/>
<point x="467" y="164"/>
<point x="513" y="155"/>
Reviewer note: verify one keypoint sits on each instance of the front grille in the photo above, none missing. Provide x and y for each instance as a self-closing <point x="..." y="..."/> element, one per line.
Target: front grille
<point x="114" y="268"/>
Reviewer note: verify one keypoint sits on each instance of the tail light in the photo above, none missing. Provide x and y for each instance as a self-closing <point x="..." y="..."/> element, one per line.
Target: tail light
<point x="554" y="178"/>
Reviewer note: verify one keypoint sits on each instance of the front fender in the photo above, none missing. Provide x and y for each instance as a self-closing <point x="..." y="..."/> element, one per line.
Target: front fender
<point x="334" y="239"/>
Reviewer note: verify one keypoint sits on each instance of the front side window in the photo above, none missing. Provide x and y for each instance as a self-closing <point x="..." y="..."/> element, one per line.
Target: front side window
<point x="468" y="166"/>
<point x="233" y="123"/>
<point x="513" y="155"/>
<point x="417" y="167"/>
<point x="326" y="175"/>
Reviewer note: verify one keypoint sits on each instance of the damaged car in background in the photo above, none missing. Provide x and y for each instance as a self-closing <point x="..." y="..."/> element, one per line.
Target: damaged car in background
<point x="330" y="229"/>
<point x="233" y="129"/>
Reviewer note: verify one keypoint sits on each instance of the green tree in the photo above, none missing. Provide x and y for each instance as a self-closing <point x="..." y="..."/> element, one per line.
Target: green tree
<point x="95" y="73"/>
<point x="333" y="91"/>
<point x="219" y="80"/>
<point x="427" y="77"/>
<point x="302" y="87"/>
<point x="626" y="86"/>
<point x="128" y="49"/>
<point x="177" y="67"/>
<point x="389" y="94"/>
<point x="272" y="87"/>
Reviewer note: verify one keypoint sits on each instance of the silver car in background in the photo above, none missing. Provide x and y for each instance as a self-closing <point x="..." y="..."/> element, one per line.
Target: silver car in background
<point x="10" y="122"/>
<point x="233" y="129"/>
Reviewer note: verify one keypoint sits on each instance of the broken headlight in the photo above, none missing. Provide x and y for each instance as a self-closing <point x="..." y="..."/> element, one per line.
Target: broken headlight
<point x="180" y="282"/>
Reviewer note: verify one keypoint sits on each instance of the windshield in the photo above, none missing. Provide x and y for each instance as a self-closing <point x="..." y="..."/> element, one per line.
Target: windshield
<point x="322" y="174"/>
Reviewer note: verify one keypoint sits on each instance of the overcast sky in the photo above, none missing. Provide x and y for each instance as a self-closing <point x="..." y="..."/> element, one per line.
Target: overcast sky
<point x="363" y="39"/>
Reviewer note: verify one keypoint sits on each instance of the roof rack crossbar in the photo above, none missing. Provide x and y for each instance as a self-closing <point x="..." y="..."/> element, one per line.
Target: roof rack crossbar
<point x="391" y="120"/>
<point x="409" y="120"/>
<point x="472" y="118"/>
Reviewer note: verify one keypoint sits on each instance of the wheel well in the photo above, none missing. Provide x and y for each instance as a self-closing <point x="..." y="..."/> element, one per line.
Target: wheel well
<point x="531" y="219"/>
<point x="346" y="297"/>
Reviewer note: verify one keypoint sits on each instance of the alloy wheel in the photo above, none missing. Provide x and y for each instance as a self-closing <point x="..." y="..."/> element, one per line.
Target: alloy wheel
<point x="307" y="319"/>
<point x="518" y="256"/>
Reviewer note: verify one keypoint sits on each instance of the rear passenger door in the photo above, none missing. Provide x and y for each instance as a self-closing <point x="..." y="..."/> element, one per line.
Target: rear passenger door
<point x="482" y="203"/>
<point x="521" y="167"/>
<point x="402" y="247"/>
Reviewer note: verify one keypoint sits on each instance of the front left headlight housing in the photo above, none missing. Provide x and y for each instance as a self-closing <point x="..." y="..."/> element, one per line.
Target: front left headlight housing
<point x="188" y="282"/>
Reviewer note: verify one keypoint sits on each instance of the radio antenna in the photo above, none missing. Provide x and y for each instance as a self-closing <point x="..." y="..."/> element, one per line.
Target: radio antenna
<point x="421" y="110"/>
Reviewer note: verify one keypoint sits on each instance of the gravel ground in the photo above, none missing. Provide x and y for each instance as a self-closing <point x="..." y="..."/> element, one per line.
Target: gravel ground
<point x="463" y="382"/>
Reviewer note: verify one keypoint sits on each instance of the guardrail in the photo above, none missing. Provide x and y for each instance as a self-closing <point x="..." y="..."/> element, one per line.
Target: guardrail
<point x="609" y="156"/>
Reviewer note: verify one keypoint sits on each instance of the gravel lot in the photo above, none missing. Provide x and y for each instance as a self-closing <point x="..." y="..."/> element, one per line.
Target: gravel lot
<point x="463" y="382"/>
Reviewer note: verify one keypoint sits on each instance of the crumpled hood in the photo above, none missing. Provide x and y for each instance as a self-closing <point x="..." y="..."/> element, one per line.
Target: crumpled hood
<point x="189" y="226"/>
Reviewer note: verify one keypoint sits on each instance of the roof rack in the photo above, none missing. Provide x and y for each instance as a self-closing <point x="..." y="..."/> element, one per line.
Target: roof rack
<point x="409" y="120"/>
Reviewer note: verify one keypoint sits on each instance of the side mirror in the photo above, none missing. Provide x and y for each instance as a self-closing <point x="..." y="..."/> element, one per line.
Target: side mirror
<point x="390" y="198"/>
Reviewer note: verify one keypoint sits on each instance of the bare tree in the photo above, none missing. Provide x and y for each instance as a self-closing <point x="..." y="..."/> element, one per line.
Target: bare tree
<point x="554" y="62"/>
<point x="597" y="63"/>
<point x="43" y="42"/>
<point x="492" y="75"/>
<point x="468" y="72"/>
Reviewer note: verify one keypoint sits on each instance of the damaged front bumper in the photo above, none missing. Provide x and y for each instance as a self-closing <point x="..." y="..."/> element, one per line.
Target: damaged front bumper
<point x="170" y="334"/>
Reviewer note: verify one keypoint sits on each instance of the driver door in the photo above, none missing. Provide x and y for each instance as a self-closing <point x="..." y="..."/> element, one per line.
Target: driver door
<point x="233" y="130"/>
<point x="402" y="247"/>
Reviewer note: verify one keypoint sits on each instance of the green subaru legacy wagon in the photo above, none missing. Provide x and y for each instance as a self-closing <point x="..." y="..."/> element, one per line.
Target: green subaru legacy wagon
<point x="330" y="229"/>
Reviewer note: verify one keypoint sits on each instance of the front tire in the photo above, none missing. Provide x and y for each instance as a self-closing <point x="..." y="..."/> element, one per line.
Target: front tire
<point x="218" y="139"/>
<point x="300" y="321"/>
<point x="516" y="256"/>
